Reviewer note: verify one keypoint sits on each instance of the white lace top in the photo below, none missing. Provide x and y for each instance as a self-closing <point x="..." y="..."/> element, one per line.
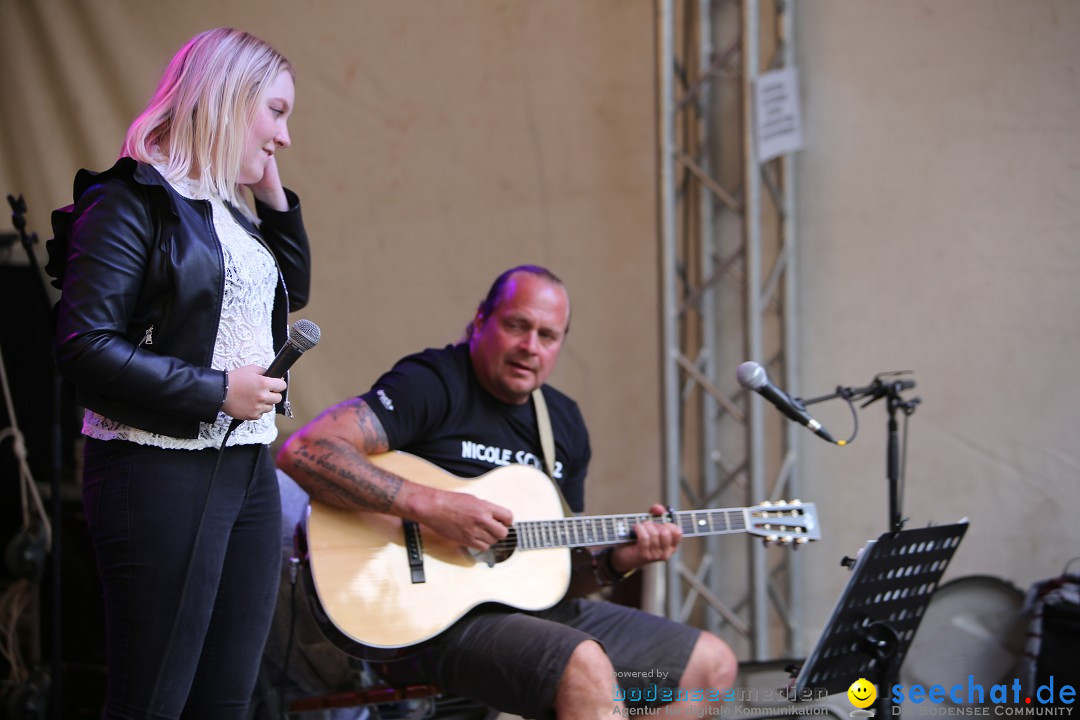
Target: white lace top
<point x="243" y="338"/>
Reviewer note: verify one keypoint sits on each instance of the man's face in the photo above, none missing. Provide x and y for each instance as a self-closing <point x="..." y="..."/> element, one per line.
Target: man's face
<point x="516" y="348"/>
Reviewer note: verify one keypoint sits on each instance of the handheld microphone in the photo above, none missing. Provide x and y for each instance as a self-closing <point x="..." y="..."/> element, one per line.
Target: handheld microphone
<point x="753" y="377"/>
<point x="303" y="335"/>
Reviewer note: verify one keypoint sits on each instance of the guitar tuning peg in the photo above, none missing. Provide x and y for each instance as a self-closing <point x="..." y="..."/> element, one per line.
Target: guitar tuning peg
<point x="767" y="503"/>
<point x="801" y="540"/>
<point x="772" y="538"/>
<point x="767" y="526"/>
<point x="796" y="501"/>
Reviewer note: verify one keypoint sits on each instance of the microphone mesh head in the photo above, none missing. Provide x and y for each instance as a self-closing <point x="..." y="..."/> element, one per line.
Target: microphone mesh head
<point x="751" y="375"/>
<point x="304" y="335"/>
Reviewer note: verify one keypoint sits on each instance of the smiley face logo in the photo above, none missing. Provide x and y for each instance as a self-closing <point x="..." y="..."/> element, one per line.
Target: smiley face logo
<point x="862" y="693"/>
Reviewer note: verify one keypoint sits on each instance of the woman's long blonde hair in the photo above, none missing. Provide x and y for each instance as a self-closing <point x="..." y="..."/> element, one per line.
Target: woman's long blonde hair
<point x="204" y="104"/>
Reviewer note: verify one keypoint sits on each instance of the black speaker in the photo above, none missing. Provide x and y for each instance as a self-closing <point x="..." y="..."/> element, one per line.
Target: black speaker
<point x="26" y="342"/>
<point x="46" y="415"/>
<point x="1057" y="665"/>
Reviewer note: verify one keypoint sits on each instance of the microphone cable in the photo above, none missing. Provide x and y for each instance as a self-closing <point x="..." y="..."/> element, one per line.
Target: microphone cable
<point x="846" y="395"/>
<point x="187" y="572"/>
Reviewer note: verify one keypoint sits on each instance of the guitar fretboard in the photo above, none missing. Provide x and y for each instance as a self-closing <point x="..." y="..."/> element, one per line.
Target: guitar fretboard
<point x="615" y="529"/>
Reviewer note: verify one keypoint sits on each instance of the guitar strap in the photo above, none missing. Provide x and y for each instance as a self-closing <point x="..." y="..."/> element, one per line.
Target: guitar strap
<point x="547" y="443"/>
<point x="543" y="423"/>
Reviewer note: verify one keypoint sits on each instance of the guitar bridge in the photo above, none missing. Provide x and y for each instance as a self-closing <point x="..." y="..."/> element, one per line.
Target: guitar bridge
<point x="414" y="547"/>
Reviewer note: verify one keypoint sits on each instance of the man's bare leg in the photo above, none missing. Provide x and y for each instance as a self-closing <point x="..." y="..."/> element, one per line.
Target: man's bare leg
<point x="585" y="690"/>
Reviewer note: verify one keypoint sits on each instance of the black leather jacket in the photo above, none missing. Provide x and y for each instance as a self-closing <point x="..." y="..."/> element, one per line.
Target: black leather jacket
<point x="142" y="277"/>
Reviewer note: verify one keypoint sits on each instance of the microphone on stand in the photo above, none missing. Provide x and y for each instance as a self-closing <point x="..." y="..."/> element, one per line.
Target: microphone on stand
<point x="303" y="335"/>
<point x="753" y="377"/>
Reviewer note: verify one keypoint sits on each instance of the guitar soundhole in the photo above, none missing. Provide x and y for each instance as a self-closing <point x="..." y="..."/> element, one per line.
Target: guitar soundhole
<point x="498" y="552"/>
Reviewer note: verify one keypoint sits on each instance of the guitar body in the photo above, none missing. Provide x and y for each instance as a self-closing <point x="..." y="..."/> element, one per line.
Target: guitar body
<point x="359" y="570"/>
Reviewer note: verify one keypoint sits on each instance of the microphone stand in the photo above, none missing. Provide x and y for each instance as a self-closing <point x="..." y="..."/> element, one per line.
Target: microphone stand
<point x="879" y="639"/>
<point x="885" y="385"/>
<point x="28" y="240"/>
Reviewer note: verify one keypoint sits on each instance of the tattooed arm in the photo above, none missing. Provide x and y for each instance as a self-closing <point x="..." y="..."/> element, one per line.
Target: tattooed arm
<point x="328" y="457"/>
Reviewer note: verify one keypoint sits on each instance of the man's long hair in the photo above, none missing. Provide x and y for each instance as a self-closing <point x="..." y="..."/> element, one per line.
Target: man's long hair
<point x="204" y="105"/>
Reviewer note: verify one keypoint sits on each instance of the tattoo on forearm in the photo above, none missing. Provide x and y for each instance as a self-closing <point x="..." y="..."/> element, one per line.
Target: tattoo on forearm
<point x="339" y="478"/>
<point x="339" y="474"/>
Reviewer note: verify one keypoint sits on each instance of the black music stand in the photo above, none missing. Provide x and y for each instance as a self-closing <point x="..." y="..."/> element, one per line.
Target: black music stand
<point x="874" y="622"/>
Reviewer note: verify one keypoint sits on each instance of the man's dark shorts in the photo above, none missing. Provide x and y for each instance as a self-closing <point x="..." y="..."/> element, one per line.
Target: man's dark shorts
<point x="513" y="661"/>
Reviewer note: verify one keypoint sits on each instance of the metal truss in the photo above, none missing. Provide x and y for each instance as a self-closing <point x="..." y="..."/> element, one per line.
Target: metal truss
<point x="728" y="289"/>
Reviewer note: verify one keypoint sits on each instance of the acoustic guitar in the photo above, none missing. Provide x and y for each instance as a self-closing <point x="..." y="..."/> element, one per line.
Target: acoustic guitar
<point x="382" y="586"/>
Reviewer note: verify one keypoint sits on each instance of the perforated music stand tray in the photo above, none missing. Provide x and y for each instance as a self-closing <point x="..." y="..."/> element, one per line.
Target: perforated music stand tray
<point x="875" y="620"/>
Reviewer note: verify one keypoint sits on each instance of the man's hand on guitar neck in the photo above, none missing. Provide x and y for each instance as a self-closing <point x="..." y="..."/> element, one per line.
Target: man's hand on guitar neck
<point x="459" y="517"/>
<point x="656" y="542"/>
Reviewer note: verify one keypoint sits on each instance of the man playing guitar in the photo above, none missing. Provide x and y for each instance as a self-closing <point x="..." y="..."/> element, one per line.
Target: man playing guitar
<point x="468" y="408"/>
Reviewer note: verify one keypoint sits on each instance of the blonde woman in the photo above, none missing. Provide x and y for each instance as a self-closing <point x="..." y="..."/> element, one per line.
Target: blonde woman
<point x="175" y="296"/>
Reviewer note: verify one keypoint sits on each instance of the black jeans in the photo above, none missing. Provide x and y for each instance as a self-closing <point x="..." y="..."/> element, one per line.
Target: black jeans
<point x="144" y="507"/>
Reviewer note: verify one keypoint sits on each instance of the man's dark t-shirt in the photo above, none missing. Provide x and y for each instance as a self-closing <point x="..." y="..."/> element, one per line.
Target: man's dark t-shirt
<point x="432" y="405"/>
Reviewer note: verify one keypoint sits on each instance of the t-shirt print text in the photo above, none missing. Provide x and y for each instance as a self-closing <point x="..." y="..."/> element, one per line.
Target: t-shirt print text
<point x="502" y="456"/>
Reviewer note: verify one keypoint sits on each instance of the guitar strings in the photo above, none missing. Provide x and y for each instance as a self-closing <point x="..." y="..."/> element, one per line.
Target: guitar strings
<point x="585" y="531"/>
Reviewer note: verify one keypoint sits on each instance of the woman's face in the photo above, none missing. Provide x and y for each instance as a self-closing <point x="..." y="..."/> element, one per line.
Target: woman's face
<point x="270" y="129"/>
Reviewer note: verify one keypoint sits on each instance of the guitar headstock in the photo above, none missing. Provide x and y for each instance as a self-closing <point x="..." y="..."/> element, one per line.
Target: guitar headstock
<point x="785" y="522"/>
